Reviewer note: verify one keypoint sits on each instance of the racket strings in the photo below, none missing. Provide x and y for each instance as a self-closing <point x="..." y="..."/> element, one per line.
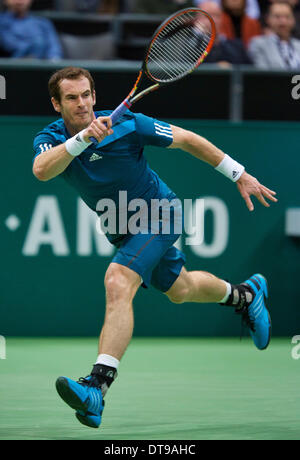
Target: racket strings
<point x="189" y="39"/>
<point x="176" y="65"/>
<point x="173" y="54"/>
<point x="179" y="46"/>
<point x="176" y="60"/>
<point x="185" y="60"/>
<point x="190" y="34"/>
<point x="161" y="67"/>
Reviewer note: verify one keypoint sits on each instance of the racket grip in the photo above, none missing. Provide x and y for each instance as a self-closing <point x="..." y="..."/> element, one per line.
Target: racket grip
<point x="117" y="113"/>
<point x="120" y="110"/>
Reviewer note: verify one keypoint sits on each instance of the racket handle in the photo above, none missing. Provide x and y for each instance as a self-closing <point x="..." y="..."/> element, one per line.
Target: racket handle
<point x="117" y="113"/>
<point x="120" y="110"/>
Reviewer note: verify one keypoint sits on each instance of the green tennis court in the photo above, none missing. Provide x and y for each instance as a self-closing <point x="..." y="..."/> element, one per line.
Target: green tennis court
<point x="167" y="389"/>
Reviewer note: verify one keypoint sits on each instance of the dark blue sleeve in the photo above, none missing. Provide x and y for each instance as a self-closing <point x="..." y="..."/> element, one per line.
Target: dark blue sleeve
<point x="152" y="131"/>
<point x="43" y="142"/>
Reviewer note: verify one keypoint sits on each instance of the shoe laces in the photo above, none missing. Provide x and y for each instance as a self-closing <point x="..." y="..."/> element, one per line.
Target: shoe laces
<point x="89" y="381"/>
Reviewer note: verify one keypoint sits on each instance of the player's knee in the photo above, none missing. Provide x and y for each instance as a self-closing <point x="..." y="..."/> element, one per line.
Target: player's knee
<point x="182" y="289"/>
<point x="181" y="295"/>
<point x="118" y="285"/>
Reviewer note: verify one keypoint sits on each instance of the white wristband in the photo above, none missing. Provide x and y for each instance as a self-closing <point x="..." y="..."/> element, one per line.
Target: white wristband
<point x="76" y="144"/>
<point x="230" y="168"/>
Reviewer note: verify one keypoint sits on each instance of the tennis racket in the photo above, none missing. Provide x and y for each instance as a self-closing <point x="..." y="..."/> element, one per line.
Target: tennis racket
<point x="177" y="48"/>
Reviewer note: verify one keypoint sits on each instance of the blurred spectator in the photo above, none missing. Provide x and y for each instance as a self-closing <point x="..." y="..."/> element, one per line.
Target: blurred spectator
<point x="277" y="49"/>
<point x="160" y="6"/>
<point x="295" y="4"/>
<point x="264" y="4"/>
<point x="252" y="7"/>
<point x="224" y="52"/>
<point x="23" y="35"/>
<point x="236" y="24"/>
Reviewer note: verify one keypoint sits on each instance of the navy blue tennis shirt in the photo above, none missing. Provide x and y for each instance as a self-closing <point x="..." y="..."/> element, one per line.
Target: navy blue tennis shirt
<point x="117" y="163"/>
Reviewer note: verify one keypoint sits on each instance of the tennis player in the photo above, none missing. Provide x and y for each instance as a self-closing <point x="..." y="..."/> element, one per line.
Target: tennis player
<point x="117" y="163"/>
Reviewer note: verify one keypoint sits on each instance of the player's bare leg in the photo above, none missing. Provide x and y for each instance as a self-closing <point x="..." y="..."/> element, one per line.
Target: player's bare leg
<point x="121" y="285"/>
<point x="197" y="286"/>
<point x="248" y="299"/>
<point x="86" y="395"/>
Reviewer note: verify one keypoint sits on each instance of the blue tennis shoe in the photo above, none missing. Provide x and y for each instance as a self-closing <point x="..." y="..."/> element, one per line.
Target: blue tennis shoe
<point x="256" y="315"/>
<point x="85" y="397"/>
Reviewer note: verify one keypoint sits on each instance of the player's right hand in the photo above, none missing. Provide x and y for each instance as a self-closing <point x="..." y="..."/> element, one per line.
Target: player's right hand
<point x="99" y="128"/>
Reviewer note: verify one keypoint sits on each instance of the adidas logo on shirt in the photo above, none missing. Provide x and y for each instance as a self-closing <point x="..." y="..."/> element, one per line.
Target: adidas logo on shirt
<point x="95" y="157"/>
<point x="162" y="130"/>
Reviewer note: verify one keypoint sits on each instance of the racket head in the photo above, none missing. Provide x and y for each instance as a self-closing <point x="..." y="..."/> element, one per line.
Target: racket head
<point x="179" y="45"/>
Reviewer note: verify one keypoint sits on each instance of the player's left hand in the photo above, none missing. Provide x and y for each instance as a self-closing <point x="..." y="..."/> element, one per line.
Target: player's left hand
<point x="249" y="185"/>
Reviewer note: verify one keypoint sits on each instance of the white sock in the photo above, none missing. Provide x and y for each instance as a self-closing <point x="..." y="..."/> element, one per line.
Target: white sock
<point x="228" y="292"/>
<point x="108" y="360"/>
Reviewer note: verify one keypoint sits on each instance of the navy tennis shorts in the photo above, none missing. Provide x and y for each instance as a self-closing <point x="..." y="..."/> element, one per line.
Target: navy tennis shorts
<point x="152" y="255"/>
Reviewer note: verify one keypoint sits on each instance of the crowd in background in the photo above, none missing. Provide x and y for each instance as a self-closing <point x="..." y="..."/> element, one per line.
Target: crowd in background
<point x="263" y="33"/>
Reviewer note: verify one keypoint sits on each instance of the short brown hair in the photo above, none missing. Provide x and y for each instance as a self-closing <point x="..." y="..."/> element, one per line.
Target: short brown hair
<point x="279" y="2"/>
<point x="70" y="73"/>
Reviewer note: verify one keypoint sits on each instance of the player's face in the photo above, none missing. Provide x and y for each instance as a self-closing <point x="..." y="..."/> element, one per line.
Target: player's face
<point x="76" y="103"/>
<point x="281" y="20"/>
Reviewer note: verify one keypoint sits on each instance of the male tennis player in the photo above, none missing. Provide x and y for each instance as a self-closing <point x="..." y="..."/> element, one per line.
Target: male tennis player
<point x="117" y="163"/>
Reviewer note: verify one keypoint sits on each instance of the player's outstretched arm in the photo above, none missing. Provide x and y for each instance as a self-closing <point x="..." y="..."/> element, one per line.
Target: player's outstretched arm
<point x="204" y="150"/>
<point x="197" y="146"/>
